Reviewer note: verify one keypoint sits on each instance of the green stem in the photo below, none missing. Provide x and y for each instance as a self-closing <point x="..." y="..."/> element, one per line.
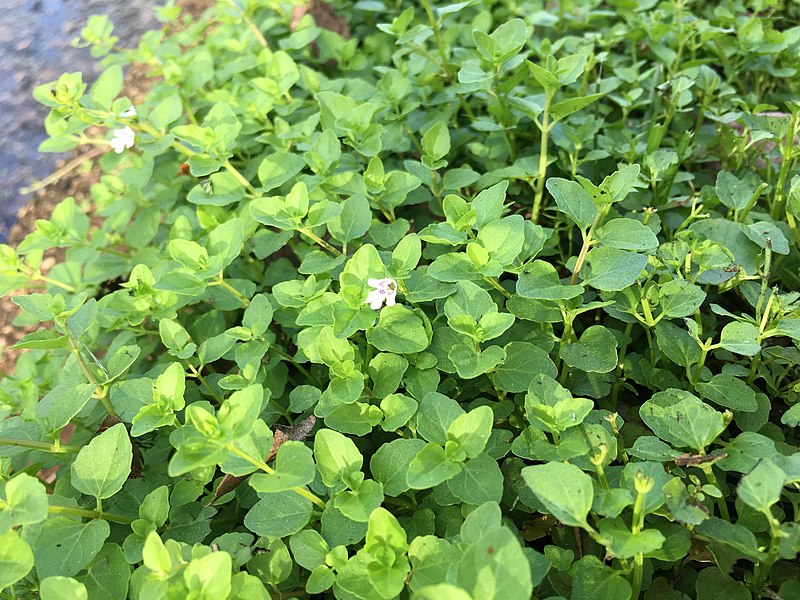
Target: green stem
<point x="310" y="234"/>
<point x="224" y="284"/>
<point x="437" y="34"/>
<point x="712" y="479"/>
<point x="779" y="201"/>
<point x="44" y="446"/>
<point x="267" y="469"/>
<point x="82" y="512"/>
<point x="545" y="129"/>
<point x="588" y="240"/>
<point x="763" y="567"/>
<point x="250" y="25"/>
<point x="496" y="285"/>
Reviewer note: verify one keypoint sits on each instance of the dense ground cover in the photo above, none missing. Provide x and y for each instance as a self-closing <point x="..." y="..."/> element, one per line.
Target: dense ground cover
<point x="481" y="300"/>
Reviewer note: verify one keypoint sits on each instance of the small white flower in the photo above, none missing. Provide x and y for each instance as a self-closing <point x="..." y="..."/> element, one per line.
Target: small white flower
<point x="385" y="290"/>
<point x="128" y="113"/>
<point x="122" y="138"/>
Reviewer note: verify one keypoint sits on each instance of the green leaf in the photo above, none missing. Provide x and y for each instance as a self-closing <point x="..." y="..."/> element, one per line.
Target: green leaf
<point x="103" y="465"/>
<point x="107" y="87"/>
<point x="108" y="574"/>
<point x="294" y="467"/>
<point x="481" y="480"/>
<point x="61" y="404"/>
<point x="435" y="415"/>
<point x="209" y="575"/>
<point x="729" y="392"/>
<point x="472" y="430"/>
<point x="336" y="456"/>
<point x="488" y="204"/>
<point x="592" y="580"/>
<point x="573" y="201"/>
<point x="354" y="220"/>
<point x="309" y="549"/>
<point x="26" y="502"/>
<point x="624" y="543"/>
<point x="595" y="352"/>
<point x="680" y="298"/>
<point x="564" y="108"/>
<point x="62" y="588"/>
<point x="470" y="364"/>
<point x="16" y="558"/>
<point x="389" y="464"/>
<point x="733" y="192"/>
<point x="761" y="487"/>
<point x="239" y="412"/>
<point x="540" y="281"/>
<point x="399" y="330"/>
<point x="386" y="372"/>
<point x="155" y="555"/>
<point x="494" y="564"/>
<point x="397" y="409"/>
<point x="523" y="362"/>
<point x="279" y="515"/>
<point x="564" y="489"/>
<point x="627" y="234"/>
<point x="279" y="168"/>
<point x="436" y="142"/>
<point x="613" y="270"/>
<point x="682" y="419"/>
<point x="430" y="467"/>
<point x="407" y="253"/>
<point x="504" y="238"/>
<point x="64" y="546"/>
<point x="736" y="536"/>
<point x="741" y="338"/>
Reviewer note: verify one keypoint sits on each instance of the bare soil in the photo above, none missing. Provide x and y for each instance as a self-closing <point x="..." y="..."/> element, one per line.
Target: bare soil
<point x="77" y="184"/>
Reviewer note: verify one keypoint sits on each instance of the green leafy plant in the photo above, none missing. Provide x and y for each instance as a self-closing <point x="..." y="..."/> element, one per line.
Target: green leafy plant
<point x="479" y="301"/>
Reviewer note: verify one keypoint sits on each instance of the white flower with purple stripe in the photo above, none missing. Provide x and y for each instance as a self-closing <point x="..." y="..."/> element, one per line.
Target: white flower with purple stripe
<point x="385" y="291"/>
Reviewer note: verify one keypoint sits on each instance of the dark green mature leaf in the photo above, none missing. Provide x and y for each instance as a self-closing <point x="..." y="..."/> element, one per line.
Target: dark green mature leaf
<point x="595" y="581"/>
<point x="278" y="515"/>
<point x="573" y="201"/>
<point x="523" y="362"/>
<point x="627" y="234"/>
<point x="682" y="419"/>
<point x="64" y="547"/>
<point x="613" y="270"/>
<point x="594" y="352"/>
<point x="729" y="392"/>
<point x="761" y="487"/>
<point x="399" y="330"/>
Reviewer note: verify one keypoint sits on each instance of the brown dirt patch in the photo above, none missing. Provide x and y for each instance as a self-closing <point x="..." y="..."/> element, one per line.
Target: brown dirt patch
<point x="77" y="184"/>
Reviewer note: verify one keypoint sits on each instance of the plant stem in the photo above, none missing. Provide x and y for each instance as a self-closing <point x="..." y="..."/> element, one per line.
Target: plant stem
<point x="44" y="446"/>
<point x="496" y="285"/>
<point x="779" y="202"/>
<point x="308" y="233"/>
<point x="437" y="34"/>
<point x="308" y="495"/>
<point x="252" y="26"/>
<point x="224" y="284"/>
<point x="763" y="567"/>
<point x="59" y="173"/>
<point x="588" y="239"/>
<point x="712" y="479"/>
<point x="83" y="512"/>
<point x="545" y="129"/>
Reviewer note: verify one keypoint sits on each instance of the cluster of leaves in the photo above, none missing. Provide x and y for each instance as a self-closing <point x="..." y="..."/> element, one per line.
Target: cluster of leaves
<point x="588" y="387"/>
